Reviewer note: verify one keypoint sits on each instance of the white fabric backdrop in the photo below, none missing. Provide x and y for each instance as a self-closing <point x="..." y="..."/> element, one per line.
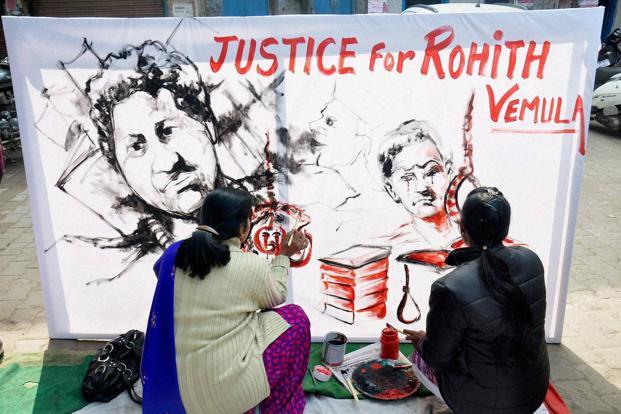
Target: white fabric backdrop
<point x="97" y="216"/>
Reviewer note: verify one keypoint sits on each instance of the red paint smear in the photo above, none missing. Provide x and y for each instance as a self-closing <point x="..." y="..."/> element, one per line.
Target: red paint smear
<point x="438" y="220"/>
<point x="510" y="242"/>
<point x="527" y="131"/>
<point x="507" y="242"/>
<point x="374" y="312"/>
<point x="579" y="110"/>
<point x="353" y="281"/>
<point x="372" y="300"/>
<point x="394" y="394"/>
<point x="435" y="258"/>
<point x="349" y="292"/>
<point x="323" y="370"/>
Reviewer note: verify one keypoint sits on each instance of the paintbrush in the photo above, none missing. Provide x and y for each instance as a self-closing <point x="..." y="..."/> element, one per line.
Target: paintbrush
<point x="396" y="329"/>
<point x="295" y="224"/>
<point x="346" y="382"/>
<point x="353" y="390"/>
<point x="312" y="377"/>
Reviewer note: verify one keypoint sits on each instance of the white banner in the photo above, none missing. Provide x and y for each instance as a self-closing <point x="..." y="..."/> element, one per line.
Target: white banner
<point x="368" y="131"/>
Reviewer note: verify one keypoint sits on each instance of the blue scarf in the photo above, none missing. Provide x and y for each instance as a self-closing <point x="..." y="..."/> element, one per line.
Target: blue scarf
<point x="159" y="368"/>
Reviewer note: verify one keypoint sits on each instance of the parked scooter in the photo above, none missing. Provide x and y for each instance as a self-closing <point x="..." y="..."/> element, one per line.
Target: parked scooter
<point x="606" y="103"/>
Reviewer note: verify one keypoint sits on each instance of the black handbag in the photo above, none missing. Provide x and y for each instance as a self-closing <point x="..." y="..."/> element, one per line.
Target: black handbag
<point x="115" y="368"/>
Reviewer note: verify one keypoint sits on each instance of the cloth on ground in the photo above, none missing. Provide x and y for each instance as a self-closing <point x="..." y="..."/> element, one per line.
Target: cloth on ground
<point x="315" y="404"/>
<point x="333" y="388"/>
<point x="318" y="404"/>
<point x="45" y="386"/>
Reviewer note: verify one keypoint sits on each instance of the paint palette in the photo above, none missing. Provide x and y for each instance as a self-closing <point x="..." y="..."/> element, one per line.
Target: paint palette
<point x="380" y="380"/>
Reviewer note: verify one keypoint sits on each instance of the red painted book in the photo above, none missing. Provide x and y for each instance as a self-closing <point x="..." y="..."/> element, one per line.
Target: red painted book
<point x="354" y="283"/>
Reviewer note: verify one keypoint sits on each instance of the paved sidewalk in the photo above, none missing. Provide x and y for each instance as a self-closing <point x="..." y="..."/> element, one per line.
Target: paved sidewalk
<point x="586" y="367"/>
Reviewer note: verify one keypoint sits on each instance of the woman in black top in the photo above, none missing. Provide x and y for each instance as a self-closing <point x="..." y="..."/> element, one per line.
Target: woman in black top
<point x="485" y="337"/>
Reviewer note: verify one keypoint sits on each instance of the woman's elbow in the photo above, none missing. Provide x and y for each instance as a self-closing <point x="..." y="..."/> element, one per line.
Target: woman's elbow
<point x="274" y="298"/>
<point x="282" y="297"/>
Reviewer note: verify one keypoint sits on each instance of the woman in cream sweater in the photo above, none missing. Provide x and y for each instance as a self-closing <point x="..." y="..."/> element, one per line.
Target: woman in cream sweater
<point x="233" y="350"/>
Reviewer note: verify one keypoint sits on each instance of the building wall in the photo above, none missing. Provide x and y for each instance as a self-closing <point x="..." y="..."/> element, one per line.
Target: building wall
<point x="214" y="7"/>
<point x="361" y="7"/>
<point x="211" y="7"/>
<point x="290" y="6"/>
<point x="617" y="22"/>
<point x="199" y="6"/>
<point x="85" y="8"/>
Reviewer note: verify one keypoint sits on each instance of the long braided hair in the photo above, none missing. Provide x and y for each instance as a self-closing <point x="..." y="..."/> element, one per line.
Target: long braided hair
<point x="485" y="218"/>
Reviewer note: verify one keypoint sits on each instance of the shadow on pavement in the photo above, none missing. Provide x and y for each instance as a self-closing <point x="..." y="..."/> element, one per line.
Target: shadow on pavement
<point x="583" y="388"/>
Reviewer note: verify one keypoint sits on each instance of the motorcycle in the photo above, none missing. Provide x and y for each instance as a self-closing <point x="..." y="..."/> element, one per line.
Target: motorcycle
<point x="606" y="103"/>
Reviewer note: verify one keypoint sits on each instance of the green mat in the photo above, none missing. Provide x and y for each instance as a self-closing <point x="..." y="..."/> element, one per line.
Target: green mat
<point x="49" y="386"/>
<point x="333" y="388"/>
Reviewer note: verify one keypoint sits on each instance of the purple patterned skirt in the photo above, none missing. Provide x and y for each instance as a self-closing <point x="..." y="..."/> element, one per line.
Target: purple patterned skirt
<point x="286" y="362"/>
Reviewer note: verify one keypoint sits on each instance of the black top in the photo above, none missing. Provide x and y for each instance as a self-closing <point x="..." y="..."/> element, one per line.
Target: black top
<point x="461" y="347"/>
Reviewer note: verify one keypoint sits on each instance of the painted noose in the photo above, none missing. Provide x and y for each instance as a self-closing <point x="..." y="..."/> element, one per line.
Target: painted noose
<point x="451" y="206"/>
<point x="465" y="172"/>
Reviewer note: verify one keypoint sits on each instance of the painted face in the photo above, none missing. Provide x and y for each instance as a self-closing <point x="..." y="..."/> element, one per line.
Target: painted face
<point x="336" y="123"/>
<point x="165" y="156"/>
<point x="419" y="180"/>
<point x="268" y="231"/>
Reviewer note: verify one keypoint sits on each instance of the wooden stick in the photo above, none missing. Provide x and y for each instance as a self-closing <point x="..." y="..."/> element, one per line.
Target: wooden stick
<point x="353" y="390"/>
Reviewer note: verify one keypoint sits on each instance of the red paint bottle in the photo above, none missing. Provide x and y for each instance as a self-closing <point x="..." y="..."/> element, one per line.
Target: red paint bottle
<point x="390" y="344"/>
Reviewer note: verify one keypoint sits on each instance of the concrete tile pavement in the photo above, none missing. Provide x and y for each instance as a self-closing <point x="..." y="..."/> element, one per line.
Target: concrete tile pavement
<point x="586" y="368"/>
<point x="23" y="327"/>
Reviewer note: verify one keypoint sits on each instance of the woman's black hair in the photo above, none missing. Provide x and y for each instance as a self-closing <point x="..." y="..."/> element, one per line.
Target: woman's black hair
<point x="486" y="215"/>
<point x="225" y="210"/>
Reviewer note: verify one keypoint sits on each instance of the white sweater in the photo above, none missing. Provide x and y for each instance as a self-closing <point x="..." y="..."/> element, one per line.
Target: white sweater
<point x="220" y="335"/>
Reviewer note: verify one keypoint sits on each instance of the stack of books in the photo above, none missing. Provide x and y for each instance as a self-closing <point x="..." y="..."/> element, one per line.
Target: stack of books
<point x="354" y="283"/>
